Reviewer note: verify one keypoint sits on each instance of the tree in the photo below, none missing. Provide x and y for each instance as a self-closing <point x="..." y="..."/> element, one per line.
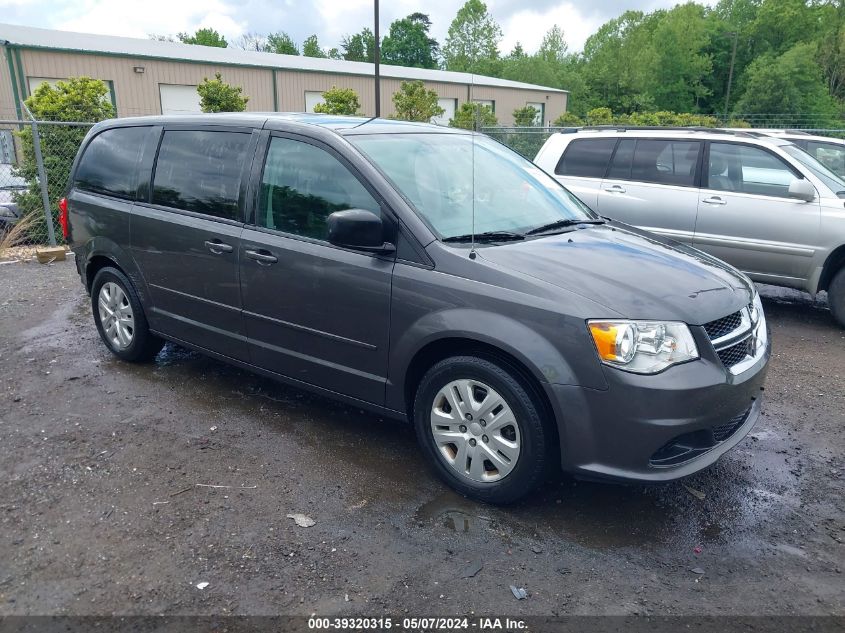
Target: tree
<point x="204" y="37"/>
<point x="524" y="117"/>
<point x="281" y="43"/>
<point x="252" y="42"/>
<point x="413" y="102"/>
<point x="360" y="47"/>
<point x="789" y="84"/>
<point x="339" y="101"/>
<point x="77" y="99"/>
<point x="553" y="47"/>
<point x="311" y="47"/>
<point x="218" y="96"/>
<point x="409" y="44"/>
<point x="473" y="39"/>
<point x="474" y="116"/>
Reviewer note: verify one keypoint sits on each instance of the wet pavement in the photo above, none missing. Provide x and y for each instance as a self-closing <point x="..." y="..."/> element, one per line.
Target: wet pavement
<point x="101" y="511"/>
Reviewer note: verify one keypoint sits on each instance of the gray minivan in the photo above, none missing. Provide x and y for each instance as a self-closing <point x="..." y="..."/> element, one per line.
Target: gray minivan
<point x="426" y="274"/>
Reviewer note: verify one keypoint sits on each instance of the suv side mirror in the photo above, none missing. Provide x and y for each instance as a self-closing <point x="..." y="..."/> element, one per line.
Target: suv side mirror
<point x="358" y="229"/>
<point x="802" y="189"/>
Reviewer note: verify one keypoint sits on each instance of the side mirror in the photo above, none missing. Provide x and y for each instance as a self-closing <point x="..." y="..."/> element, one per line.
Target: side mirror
<point x="802" y="189"/>
<point x="358" y="229"/>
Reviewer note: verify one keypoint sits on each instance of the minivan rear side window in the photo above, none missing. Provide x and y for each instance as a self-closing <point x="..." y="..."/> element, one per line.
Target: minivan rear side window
<point x="200" y="171"/>
<point x="666" y="162"/>
<point x="586" y="158"/>
<point x="109" y="164"/>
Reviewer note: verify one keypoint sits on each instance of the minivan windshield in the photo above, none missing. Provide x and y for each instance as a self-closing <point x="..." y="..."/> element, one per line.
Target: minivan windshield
<point x="445" y="175"/>
<point x="831" y="180"/>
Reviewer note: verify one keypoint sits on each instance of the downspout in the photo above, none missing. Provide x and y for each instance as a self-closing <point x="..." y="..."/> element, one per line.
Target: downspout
<point x="8" y="52"/>
<point x="21" y="76"/>
<point x="275" y="92"/>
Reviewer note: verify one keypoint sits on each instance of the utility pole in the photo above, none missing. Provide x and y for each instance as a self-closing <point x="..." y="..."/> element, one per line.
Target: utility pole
<point x="377" y="59"/>
<point x="730" y="77"/>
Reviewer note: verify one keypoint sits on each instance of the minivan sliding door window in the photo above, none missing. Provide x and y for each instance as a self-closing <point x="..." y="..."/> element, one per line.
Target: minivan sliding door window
<point x="200" y="171"/>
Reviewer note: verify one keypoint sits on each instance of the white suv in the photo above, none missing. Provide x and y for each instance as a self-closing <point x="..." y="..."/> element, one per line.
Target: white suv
<point x="830" y="152"/>
<point x="758" y="202"/>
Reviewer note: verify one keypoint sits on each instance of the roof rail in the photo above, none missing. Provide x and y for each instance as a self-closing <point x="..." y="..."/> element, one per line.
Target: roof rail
<point x="660" y="128"/>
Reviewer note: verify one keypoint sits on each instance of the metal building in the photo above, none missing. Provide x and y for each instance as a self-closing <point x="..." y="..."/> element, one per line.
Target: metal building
<point x="155" y="77"/>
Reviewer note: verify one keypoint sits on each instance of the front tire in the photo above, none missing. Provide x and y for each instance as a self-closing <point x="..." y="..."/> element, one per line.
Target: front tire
<point x="481" y="429"/>
<point x="836" y="296"/>
<point x="120" y="318"/>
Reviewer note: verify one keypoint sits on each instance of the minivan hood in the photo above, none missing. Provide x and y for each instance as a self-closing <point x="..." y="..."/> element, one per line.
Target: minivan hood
<point x="633" y="273"/>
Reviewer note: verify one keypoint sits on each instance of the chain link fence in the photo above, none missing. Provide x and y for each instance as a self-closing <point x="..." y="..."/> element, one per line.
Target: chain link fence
<point x="35" y="162"/>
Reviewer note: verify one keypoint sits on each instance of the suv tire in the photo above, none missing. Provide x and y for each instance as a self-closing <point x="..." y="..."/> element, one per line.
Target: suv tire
<point x="481" y="429"/>
<point x="120" y="317"/>
<point x="836" y="296"/>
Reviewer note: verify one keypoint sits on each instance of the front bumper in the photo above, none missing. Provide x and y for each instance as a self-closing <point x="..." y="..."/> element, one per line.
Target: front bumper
<point x="659" y="427"/>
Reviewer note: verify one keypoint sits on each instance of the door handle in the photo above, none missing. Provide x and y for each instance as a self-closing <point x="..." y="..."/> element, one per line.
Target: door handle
<point x="615" y="189"/>
<point x="217" y="247"/>
<point x="714" y="200"/>
<point x="262" y="257"/>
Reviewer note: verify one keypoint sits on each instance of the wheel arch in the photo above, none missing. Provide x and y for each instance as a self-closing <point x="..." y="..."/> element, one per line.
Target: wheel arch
<point x="451" y="346"/>
<point x="834" y="262"/>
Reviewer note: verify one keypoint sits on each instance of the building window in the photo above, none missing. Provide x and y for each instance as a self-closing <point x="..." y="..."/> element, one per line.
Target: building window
<point x="312" y="98"/>
<point x="449" y="106"/>
<point x="486" y="102"/>
<point x="540" y="107"/>
<point x="179" y="99"/>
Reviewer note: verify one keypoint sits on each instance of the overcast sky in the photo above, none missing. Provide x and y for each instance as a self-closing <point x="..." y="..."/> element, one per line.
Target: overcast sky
<point x="521" y="20"/>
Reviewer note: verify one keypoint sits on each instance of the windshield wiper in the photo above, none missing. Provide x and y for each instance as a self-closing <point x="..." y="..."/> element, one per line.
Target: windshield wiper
<point x="560" y="224"/>
<point x="487" y="236"/>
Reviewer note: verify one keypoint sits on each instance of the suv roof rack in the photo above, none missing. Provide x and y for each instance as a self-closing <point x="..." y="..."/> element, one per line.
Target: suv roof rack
<point x="660" y="128"/>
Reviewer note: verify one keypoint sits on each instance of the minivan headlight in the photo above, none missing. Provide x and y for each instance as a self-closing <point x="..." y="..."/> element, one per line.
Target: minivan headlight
<point x="643" y="347"/>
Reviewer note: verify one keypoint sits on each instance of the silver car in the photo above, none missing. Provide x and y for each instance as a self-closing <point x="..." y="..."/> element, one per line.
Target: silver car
<point x="758" y="202"/>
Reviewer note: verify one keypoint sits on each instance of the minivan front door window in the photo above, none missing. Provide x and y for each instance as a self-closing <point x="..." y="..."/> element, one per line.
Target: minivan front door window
<point x="302" y="185"/>
<point x="450" y="177"/>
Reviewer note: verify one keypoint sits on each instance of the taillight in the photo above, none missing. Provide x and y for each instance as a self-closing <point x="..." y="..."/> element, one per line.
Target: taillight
<point x="63" y="216"/>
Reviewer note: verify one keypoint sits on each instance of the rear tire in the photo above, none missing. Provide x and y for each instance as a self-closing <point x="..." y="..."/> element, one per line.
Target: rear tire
<point x="836" y="296"/>
<point x="481" y="429"/>
<point x="120" y="318"/>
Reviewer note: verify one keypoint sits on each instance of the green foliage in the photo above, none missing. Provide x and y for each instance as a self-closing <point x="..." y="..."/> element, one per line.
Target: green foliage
<point x="311" y="47"/>
<point x="218" y="96"/>
<point x="474" y="116"/>
<point x="339" y="101"/>
<point x="409" y="44"/>
<point x="78" y="99"/>
<point x="414" y="102"/>
<point x="281" y="43"/>
<point x="360" y="47"/>
<point x="600" y="116"/>
<point x="204" y="37"/>
<point x="788" y="84"/>
<point x="524" y="117"/>
<point x="568" y="119"/>
<point x="473" y="39"/>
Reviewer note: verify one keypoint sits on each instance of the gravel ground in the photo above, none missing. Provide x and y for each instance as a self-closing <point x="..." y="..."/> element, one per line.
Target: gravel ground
<point x="101" y="511"/>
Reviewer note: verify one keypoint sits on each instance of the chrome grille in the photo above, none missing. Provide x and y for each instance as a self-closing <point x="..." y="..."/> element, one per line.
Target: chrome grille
<point x="725" y="325"/>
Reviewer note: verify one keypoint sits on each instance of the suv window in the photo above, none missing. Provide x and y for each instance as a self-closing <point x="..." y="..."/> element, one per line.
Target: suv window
<point x="200" y="171"/>
<point x="830" y="155"/>
<point x="110" y="162"/>
<point x="302" y="185"/>
<point x="746" y="169"/>
<point x="666" y="162"/>
<point x="586" y="158"/>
